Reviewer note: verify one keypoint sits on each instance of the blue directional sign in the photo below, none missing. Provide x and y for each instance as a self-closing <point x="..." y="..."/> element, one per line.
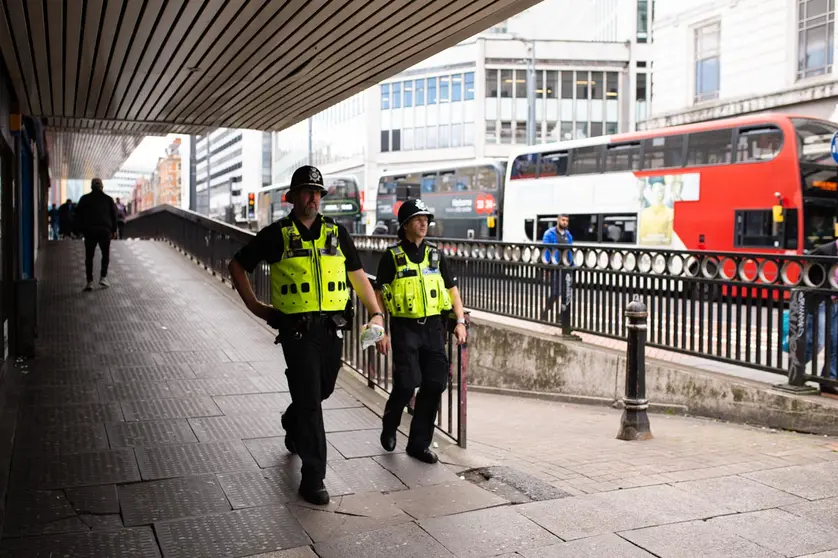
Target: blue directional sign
<point x="835" y="147"/>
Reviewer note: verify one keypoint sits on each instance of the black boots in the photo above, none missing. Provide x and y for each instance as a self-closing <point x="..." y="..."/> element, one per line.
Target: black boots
<point x="425" y="455"/>
<point x="314" y="493"/>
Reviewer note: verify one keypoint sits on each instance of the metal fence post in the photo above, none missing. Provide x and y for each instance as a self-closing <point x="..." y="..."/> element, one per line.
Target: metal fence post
<point x="462" y="387"/>
<point x="797" y="346"/>
<point x="634" y="424"/>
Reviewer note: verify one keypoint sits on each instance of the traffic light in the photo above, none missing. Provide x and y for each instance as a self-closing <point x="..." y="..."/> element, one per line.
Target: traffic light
<point x="251" y="204"/>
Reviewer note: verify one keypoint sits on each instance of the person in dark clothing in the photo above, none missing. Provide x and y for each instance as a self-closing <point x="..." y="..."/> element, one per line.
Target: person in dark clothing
<point x="121" y="213"/>
<point x="65" y="219"/>
<point x="54" y="230"/>
<point x="96" y="219"/>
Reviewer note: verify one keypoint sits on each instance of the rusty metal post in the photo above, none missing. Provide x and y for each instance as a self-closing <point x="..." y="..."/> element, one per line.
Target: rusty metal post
<point x="634" y="424"/>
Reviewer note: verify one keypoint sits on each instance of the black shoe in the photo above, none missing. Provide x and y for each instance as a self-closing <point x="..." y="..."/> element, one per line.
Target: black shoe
<point x="314" y="493"/>
<point x="425" y="455"/>
<point x="388" y="440"/>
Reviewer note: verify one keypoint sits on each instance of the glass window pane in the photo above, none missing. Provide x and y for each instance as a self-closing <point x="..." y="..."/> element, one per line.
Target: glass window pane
<point x="506" y="83"/>
<point x="521" y="84"/>
<point x="419" y="92"/>
<point x="432" y="91"/>
<point x="456" y="135"/>
<point x="566" y="131"/>
<point x="524" y="166"/>
<point x="539" y="84"/>
<point x="567" y="85"/>
<point x="581" y="85"/>
<point x="622" y="157"/>
<point x="468" y="132"/>
<point x="597" y="87"/>
<point x="552" y="84"/>
<point x="469" y="86"/>
<point x="709" y="148"/>
<point x="491" y="83"/>
<point x="419" y="138"/>
<point x="444" y="84"/>
<point x="553" y="164"/>
<point x="396" y="143"/>
<point x="385" y="96"/>
<point x="611" y="128"/>
<point x="385" y="141"/>
<point x="444" y="135"/>
<point x="397" y="95"/>
<point x="520" y="133"/>
<point x="596" y="129"/>
<point x="663" y="152"/>
<point x="506" y="132"/>
<point x="408" y="94"/>
<point x="759" y="144"/>
<point x="611" y="85"/>
<point x="584" y="160"/>
<point x="456" y="87"/>
<point x="491" y="131"/>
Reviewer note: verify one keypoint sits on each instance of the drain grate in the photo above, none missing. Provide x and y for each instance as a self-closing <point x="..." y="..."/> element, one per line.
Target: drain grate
<point x="514" y="485"/>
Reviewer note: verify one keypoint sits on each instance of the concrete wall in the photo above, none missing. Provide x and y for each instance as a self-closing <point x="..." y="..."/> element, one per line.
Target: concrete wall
<point x="506" y="357"/>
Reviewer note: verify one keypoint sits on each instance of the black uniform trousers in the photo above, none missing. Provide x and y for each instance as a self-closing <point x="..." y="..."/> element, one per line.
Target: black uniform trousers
<point x="313" y="360"/>
<point x="419" y="360"/>
<point x="97" y="237"/>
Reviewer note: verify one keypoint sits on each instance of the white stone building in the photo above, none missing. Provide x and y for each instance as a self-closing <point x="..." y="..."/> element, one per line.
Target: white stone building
<point x="720" y="58"/>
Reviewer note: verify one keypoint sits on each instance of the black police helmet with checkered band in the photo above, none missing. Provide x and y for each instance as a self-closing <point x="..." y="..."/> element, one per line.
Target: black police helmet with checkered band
<point x="412" y="208"/>
<point x="308" y="177"/>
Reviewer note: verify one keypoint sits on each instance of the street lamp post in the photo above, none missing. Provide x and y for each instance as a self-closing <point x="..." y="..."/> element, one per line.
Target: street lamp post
<point x="531" y="86"/>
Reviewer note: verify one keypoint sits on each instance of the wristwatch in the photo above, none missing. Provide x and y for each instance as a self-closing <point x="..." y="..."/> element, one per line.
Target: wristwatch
<point x="461" y="321"/>
<point x="377" y="314"/>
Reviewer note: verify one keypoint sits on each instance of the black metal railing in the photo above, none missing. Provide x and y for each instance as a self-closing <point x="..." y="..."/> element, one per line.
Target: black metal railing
<point x="214" y="243"/>
<point x="724" y="306"/>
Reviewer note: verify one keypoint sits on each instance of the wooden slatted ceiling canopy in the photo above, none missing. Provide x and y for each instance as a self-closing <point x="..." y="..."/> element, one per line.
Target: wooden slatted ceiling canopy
<point x="148" y="67"/>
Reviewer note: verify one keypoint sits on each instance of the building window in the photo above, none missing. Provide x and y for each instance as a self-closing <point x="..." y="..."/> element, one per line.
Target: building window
<point x="552" y="84"/>
<point x="469" y="86"/>
<point x="419" y="92"/>
<point x="521" y="84"/>
<point x="491" y="83"/>
<point x="397" y="143"/>
<point x="707" y="40"/>
<point x="506" y="84"/>
<point x="815" y="37"/>
<point x="385" y="141"/>
<point x="456" y="87"/>
<point x="444" y="82"/>
<point x="385" y="96"/>
<point x="582" y="85"/>
<point x="408" y="94"/>
<point x="397" y="95"/>
<point x="468" y="132"/>
<point x="642" y="21"/>
<point x="491" y="131"/>
<point x="506" y="132"/>
<point x="432" y="91"/>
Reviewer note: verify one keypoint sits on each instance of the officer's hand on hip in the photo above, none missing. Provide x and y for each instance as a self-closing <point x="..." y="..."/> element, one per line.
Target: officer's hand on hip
<point x="383" y="345"/>
<point x="460" y="332"/>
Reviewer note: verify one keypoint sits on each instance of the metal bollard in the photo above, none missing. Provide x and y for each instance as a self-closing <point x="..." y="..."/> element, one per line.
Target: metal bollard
<point x="634" y="424"/>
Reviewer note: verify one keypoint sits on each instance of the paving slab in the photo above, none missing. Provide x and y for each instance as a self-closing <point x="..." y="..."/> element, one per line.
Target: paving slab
<point x="238" y="427"/>
<point x="807" y="481"/>
<point x="273" y="486"/>
<point x="80" y="469"/>
<point x="609" y="512"/>
<point x="738" y="493"/>
<point x="60" y="439"/>
<point x="343" y="420"/>
<point x="593" y="547"/>
<point x="696" y="539"/>
<point x="150" y="433"/>
<point x="779" y="531"/>
<point x="39" y="512"/>
<point x="134" y="391"/>
<point x="216" y="386"/>
<point x="147" y="502"/>
<point x="363" y="443"/>
<point x="157" y="409"/>
<point x="487" y="532"/>
<point x="414" y="473"/>
<point x="823" y="511"/>
<point x="252" y="403"/>
<point x="300" y="552"/>
<point x="235" y="533"/>
<point x="94" y="499"/>
<point x="152" y="373"/>
<point x="340" y="399"/>
<point x="347" y="515"/>
<point x="138" y="542"/>
<point x="223" y="370"/>
<point x="406" y="540"/>
<point x="365" y="475"/>
<point x="270" y="452"/>
<point x="444" y="499"/>
<point x="193" y="459"/>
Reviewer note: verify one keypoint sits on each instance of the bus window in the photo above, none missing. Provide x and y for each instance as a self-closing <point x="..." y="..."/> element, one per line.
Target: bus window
<point x="447" y="181"/>
<point x="585" y="160"/>
<point x="622" y="157"/>
<point x="619" y="228"/>
<point x="486" y="179"/>
<point x="386" y="188"/>
<point x="553" y="164"/>
<point x="818" y="224"/>
<point x="754" y="228"/>
<point x="525" y="166"/>
<point x="428" y="183"/>
<point x="815" y="138"/>
<point x="584" y="227"/>
<point x="529" y="229"/>
<point x="758" y="144"/>
<point x="663" y="152"/>
<point x="709" y="148"/>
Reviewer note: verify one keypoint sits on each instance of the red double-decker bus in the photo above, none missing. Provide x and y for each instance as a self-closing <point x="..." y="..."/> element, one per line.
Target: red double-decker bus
<point x="762" y="183"/>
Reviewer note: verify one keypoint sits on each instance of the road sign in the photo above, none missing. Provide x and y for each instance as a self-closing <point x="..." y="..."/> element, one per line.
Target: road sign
<point x="835" y="147"/>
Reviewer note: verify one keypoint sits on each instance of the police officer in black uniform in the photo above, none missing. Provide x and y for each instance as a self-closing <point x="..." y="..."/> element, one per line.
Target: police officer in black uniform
<point x="311" y="257"/>
<point x="418" y="290"/>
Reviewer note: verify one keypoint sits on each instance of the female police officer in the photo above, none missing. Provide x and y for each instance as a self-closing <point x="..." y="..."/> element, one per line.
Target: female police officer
<point x="310" y="257"/>
<point x="416" y="287"/>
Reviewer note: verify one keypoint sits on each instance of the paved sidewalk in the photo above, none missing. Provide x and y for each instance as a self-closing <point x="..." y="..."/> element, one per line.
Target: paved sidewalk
<point x="149" y="425"/>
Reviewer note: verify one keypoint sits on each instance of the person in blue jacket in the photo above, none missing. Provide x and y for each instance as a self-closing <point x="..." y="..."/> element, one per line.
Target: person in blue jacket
<point x="556" y="235"/>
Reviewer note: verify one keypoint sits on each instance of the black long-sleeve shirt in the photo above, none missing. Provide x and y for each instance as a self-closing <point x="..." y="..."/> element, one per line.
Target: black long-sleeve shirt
<point x="95" y="211"/>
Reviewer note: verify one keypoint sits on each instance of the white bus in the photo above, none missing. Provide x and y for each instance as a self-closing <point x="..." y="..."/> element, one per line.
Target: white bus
<point x="342" y="203"/>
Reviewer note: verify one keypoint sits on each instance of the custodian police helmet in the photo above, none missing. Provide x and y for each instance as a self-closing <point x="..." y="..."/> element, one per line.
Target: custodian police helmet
<point x="412" y="208"/>
<point x="308" y="177"/>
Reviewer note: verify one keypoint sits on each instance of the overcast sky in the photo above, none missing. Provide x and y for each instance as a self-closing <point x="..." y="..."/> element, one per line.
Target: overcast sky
<point x="144" y="158"/>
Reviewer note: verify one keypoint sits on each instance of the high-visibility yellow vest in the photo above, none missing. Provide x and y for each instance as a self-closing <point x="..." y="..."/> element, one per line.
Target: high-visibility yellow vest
<point x="311" y="276"/>
<point x="418" y="290"/>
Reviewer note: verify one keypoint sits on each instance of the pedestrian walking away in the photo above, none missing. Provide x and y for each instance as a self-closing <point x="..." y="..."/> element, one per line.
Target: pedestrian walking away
<point x="121" y="214"/>
<point x="95" y="219"/>
<point x="311" y="257"/>
<point x="416" y="286"/>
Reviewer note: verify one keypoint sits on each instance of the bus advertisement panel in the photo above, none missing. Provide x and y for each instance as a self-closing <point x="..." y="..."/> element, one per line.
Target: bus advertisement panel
<point x="466" y="200"/>
<point x="760" y="183"/>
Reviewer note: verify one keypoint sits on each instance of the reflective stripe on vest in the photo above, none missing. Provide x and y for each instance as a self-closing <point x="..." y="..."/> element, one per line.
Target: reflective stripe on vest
<point x="418" y="290"/>
<point x="311" y="276"/>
